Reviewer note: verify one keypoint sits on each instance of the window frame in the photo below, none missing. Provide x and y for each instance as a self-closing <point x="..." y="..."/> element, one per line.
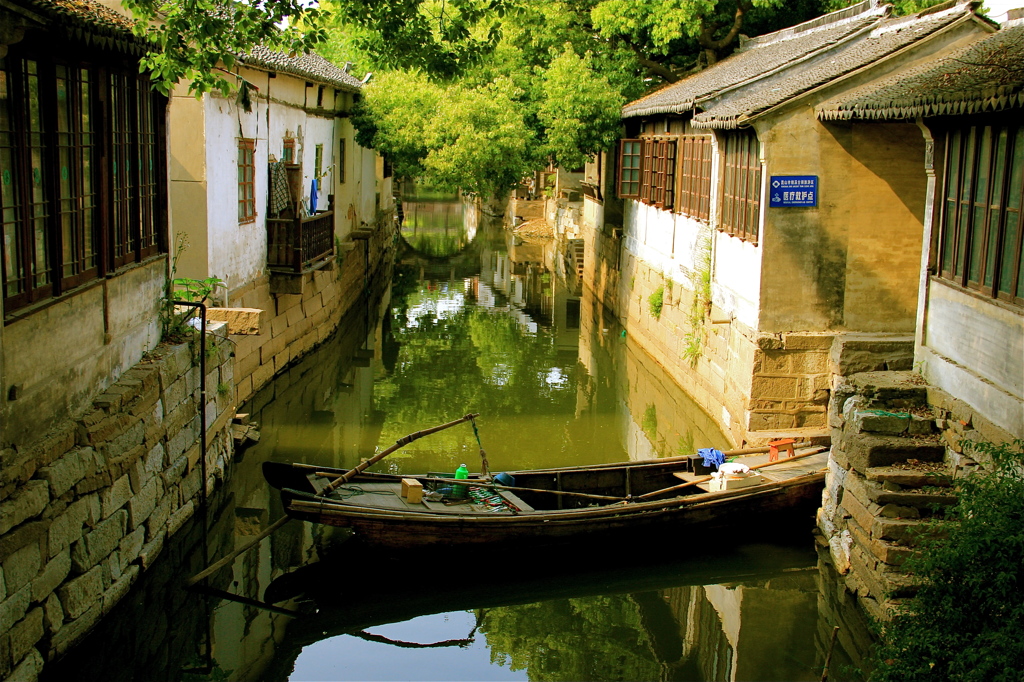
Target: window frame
<point x="288" y="150"/>
<point x="63" y="230"/>
<point x="693" y="196"/>
<point x="631" y="148"/>
<point x="980" y="232"/>
<point x="246" y="180"/>
<point x="740" y="214"/>
<point x="341" y="161"/>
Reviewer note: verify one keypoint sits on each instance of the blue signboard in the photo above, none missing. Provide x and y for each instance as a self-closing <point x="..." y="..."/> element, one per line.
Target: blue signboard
<point x="792" y="190"/>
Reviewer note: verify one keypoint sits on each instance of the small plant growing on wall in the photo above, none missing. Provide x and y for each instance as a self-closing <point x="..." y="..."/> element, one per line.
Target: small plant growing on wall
<point x="176" y="325"/>
<point x="655" y="302"/>
<point x="700" y="308"/>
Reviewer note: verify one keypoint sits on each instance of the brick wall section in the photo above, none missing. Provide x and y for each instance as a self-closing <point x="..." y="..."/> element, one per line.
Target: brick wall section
<point x="89" y="506"/>
<point x="297" y="323"/>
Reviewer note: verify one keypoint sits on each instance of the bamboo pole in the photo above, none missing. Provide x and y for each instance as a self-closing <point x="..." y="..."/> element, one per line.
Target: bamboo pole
<point x="213" y="568"/>
<point x="705" y="479"/>
<point x="401" y="442"/>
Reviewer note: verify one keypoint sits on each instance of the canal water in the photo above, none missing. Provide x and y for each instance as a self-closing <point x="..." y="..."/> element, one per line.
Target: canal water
<point x="476" y="318"/>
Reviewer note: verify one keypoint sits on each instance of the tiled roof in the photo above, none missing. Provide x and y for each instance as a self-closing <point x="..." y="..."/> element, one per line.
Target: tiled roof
<point x="984" y="76"/>
<point x="310" y="66"/>
<point x="758" y="57"/>
<point x="89" y="21"/>
<point x="890" y="36"/>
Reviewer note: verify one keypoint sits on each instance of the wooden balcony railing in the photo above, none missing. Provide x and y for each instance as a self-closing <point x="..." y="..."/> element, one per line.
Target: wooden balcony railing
<point x="298" y="245"/>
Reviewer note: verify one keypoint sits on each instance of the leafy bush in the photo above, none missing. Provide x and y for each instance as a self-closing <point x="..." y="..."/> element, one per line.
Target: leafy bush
<point x="966" y="621"/>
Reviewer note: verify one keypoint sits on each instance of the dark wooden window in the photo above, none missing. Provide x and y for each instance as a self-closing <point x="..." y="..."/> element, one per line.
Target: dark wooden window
<point x="981" y="236"/>
<point x="318" y="161"/>
<point x="630" y="157"/>
<point x="77" y="155"/>
<point x="341" y="161"/>
<point x="741" y="191"/>
<point x="81" y="164"/>
<point x="246" y="180"/>
<point x="663" y="176"/>
<point x="288" y="152"/>
<point x="694" y="197"/>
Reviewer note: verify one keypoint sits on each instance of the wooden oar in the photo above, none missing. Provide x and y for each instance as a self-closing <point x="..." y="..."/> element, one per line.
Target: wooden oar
<point x="705" y="479"/>
<point x="400" y="443"/>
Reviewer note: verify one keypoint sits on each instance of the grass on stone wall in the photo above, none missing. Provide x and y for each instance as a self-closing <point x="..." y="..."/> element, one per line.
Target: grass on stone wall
<point x="655" y="302"/>
<point x="700" y="309"/>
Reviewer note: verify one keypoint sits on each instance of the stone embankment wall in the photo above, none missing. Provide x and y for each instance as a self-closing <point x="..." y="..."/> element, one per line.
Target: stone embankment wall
<point x="897" y="445"/>
<point x="294" y="323"/>
<point x="90" y="506"/>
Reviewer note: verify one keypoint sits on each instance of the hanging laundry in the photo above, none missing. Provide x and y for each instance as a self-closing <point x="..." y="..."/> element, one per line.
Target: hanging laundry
<point x="312" y="196"/>
<point x="280" y="195"/>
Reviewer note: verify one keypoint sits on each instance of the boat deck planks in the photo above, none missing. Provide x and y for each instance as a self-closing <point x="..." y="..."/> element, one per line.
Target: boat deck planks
<point x="780" y="470"/>
<point x="387" y="495"/>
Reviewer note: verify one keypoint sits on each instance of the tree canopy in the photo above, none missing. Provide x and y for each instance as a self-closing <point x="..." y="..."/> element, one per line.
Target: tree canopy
<point x="472" y="93"/>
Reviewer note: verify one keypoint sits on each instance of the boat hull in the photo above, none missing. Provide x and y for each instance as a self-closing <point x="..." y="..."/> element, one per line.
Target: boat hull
<point x="735" y="511"/>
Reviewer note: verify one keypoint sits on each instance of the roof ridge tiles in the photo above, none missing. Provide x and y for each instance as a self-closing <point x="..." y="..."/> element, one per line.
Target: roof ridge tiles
<point x="859" y="11"/>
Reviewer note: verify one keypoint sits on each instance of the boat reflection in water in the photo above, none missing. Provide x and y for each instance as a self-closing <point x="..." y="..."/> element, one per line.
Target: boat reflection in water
<point x="738" y="612"/>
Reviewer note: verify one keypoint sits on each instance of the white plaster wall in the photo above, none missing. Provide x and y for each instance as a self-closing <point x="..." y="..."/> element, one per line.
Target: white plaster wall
<point x="664" y="240"/>
<point x="736" y="278"/>
<point x="367" y="173"/>
<point x="974" y="350"/>
<point x="237" y="252"/>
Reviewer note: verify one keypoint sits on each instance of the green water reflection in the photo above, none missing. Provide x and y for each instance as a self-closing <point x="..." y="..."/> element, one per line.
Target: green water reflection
<point x="496" y="328"/>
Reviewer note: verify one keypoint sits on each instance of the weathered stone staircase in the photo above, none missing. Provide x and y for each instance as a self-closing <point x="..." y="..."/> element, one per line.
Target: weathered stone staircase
<point x="889" y="473"/>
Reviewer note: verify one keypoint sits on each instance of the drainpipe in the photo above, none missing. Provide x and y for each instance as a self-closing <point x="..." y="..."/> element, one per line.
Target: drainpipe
<point x="201" y="307"/>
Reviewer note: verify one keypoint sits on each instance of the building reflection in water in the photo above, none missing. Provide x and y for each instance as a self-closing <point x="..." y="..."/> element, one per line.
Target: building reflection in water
<point x="645" y="612"/>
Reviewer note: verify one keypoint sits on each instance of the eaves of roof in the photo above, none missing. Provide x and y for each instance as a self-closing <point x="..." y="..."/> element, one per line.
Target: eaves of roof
<point x="86" y="21"/>
<point x="985" y="76"/>
<point x="309" y="66"/>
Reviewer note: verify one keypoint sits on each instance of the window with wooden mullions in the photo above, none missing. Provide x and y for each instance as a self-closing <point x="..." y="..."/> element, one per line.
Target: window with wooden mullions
<point x="741" y="191"/>
<point x="630" y="162"/>
<point x="663" y="177"/>
<point x="77" y="199"/>
<point x="246" y="180"/>
<point x="694" y="198"/>
<point x="981" y="234"/>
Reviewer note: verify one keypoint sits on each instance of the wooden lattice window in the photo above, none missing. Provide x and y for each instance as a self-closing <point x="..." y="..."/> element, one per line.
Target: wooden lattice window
<point x="981" y="235"/>
<point x="694" y="198"/>
<point x="246" y="180"/>
<point x="741" y="195"/>
<point x="288" y="150"/>
<point x="663" y="178"/>
<point x="630" y="162"/>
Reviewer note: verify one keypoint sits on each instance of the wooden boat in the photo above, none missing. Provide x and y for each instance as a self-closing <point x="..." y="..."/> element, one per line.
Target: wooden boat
<point x="547" y="505"/>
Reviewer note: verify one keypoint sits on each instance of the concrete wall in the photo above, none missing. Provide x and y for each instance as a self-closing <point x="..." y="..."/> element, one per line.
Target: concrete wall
<point x="58" y="357"/>
<point x="93" y="506"/>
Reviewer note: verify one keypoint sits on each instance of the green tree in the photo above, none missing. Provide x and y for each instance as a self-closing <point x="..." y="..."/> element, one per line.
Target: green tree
<point x="965" y="623"/>
<point x="191" y="40"/>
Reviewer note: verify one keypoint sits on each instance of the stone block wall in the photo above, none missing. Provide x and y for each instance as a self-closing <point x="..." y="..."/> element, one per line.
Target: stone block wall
<point x="296" y="323"/>
<point x="88" y="507"/>
<point x="889" y="471"/>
